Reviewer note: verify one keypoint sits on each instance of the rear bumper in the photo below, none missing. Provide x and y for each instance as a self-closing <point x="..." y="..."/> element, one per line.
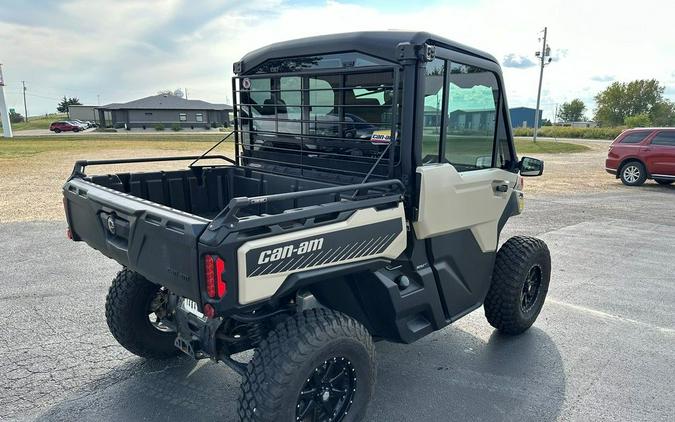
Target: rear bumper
<point x="610" y="170"/>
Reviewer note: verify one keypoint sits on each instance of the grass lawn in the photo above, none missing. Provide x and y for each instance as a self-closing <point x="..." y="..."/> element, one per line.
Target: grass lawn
<point x="26" y="146"/>
<point x="38" y="122"/>
<point x="525" y="146"/>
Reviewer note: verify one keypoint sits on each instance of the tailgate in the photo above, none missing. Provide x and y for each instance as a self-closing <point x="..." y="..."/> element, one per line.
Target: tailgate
<point x="158" y="242"/>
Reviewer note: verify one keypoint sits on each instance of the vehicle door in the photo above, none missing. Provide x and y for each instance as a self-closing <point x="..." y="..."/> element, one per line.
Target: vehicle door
<point x="466" y="178"/>
<point x="659" y="154"/>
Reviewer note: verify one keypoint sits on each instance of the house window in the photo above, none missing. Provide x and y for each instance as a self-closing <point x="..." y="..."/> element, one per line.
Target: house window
<point x="182" y="117"/>
<point x="148" y="114"/>
<point x="199" y="117"/>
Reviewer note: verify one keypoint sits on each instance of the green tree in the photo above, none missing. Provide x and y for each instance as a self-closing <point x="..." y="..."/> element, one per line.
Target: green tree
<point x="621" y="100"/>
<point x="639" y="120"/>
<point x="572" y="111"/>
<point x="15" y="117"/>
<point x="65" y="102"/>
<point x="663" y="114"/>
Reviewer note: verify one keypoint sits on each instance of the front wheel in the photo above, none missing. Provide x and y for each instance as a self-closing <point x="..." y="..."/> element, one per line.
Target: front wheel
<point x="134" y="308"/>
<point x="315" y="366"/>
<point x="633" y="173"/>
<point x="664" y="181"/>
<point x="519" y="284"/>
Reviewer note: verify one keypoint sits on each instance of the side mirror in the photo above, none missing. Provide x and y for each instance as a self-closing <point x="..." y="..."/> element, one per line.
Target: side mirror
<point x="531" y="167"/>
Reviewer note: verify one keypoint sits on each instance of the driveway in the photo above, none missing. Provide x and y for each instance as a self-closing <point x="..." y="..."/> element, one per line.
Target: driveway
<point x="602" y="349"/>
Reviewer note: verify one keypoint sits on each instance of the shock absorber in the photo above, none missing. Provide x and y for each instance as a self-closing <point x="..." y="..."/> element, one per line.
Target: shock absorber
<point x="256" y="331"/>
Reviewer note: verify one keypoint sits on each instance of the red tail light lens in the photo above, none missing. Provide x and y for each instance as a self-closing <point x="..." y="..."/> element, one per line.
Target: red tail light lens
<point x="214" y="268"/>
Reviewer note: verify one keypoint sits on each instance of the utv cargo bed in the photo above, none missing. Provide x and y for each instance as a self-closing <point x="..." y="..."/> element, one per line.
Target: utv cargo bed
<point x="153" y="222"/>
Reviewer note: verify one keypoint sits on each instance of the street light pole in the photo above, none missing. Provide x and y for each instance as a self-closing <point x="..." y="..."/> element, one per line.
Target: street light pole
<point x="545" y="51"/>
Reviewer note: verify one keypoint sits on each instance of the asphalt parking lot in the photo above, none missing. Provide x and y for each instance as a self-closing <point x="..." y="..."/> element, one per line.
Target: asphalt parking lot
<point x="602" y="349"/>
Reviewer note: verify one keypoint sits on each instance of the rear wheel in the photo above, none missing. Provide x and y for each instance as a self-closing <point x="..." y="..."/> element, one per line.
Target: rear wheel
<point x="519" y="284"/>
<point x="57" y="130"/>
<point x="315" y="366"/>
<point x="134" y="308"/>
<point x="633" y="173"/>
<point x="664" y="181"/>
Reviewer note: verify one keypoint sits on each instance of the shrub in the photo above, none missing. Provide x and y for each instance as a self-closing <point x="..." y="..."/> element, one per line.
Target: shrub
<point x="571" y="132"/>
<point x="159" y="126"/>
<point x="214" y="125"/>
<point x="176" y="127"/>
<point x="15" y="117"/>
<point x="207" y="127"/>
<point x="639" y="120"/>
<point x="105" y="129"/>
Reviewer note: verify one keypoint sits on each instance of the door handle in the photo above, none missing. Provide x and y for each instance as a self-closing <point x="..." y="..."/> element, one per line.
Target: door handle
<point x="500" y="186"/>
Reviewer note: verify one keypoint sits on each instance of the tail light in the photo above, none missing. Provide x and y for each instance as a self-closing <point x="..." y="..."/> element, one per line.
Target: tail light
<point x="214" y="269"/>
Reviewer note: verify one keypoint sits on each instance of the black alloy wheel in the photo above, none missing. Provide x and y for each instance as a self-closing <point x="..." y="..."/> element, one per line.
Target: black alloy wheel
<point x="328" y="393"/>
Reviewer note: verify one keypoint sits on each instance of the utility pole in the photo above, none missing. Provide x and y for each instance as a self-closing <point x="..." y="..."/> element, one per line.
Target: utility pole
<point x="542" y="55"/>
<point x="98" y="99"/>
<point x="4" y="114"/>
<point x="25" y="109"/>
<point x="186" y="97"/>
<point x="555" y="121"/>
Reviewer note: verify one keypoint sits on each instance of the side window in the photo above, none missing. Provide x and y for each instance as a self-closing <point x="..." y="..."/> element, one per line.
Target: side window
<point x="504" y="158"/>
<point x="182" y="117"/>
<point x="473" y="96"/>
<point x="634" y="138"/>
<point x="433" y="102"/>
<point x="664" y="138"/>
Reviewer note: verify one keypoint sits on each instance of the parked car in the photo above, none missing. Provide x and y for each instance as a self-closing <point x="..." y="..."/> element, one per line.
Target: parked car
<point x="643" y="153"/>
<point x="65" y="126"/>
<point x="83" y="125"/>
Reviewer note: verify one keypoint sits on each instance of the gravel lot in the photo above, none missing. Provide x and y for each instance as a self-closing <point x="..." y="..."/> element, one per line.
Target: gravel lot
<point x="602" y="349"/>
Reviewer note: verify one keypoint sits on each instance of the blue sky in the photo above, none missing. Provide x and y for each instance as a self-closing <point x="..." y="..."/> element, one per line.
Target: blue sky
<point x="122" y="50"/>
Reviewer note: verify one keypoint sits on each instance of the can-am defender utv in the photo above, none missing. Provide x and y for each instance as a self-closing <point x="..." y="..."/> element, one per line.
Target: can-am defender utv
<point x="373" y="174"/>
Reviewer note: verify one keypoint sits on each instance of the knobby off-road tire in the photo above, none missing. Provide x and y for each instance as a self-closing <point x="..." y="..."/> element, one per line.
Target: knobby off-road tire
<point x="293" y="364"/>
<point x="519" y="284"/>
<point x="127" y="310"/>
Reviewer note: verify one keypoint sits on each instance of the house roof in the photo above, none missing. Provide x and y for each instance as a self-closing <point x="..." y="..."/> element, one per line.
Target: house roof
<point x="375" y="43"/>
<point x="165" y="102"/>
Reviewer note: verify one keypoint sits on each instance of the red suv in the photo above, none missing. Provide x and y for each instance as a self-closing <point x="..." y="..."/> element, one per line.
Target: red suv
<point x="640" y="154"/>
<point x="64" y="127"/>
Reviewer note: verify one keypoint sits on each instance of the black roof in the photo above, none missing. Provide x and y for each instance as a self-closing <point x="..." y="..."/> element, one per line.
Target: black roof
<point x="380" y="44"/>
<point x="165" y="102"/>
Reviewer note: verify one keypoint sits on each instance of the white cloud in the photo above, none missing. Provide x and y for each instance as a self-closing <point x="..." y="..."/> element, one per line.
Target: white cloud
<point x="126" y="49"/>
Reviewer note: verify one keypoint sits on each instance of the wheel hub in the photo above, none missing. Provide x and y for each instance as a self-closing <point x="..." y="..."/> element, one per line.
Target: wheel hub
<point x="328" y="393"/>
<point x="528" y="296"/>
<point x="631" y="174"/>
